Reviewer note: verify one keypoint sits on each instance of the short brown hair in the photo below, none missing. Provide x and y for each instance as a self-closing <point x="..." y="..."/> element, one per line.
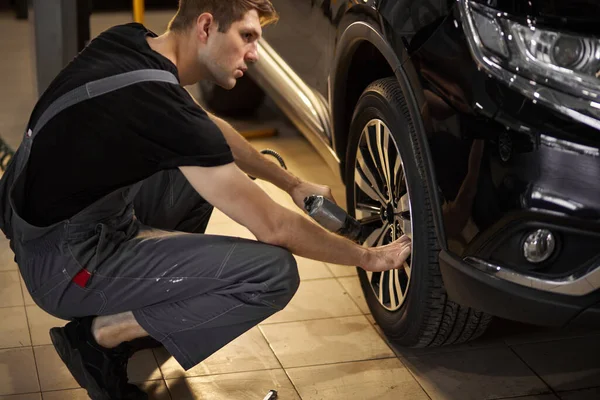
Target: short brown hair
<point x="225" y="12"/>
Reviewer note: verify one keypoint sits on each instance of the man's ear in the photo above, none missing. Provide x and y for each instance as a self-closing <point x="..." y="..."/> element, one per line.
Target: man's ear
<point x="205" y="24"/>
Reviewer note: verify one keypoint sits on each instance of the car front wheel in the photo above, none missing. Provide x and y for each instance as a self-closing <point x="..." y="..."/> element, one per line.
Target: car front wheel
<point x="385" y="191"/>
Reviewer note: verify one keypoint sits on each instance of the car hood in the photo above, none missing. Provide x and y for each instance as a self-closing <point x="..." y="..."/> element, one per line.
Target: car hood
<point x="582" y="16"/>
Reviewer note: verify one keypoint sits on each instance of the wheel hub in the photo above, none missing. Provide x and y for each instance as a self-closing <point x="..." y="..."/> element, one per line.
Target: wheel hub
<point x="387" y="214"/>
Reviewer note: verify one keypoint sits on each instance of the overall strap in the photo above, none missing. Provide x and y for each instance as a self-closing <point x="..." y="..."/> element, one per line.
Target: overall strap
<point x="88" y="91"/>
<point x="98" y="88"/>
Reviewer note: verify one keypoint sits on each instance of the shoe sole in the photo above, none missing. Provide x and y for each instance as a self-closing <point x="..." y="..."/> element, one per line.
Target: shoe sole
<point x="74" y="362"/>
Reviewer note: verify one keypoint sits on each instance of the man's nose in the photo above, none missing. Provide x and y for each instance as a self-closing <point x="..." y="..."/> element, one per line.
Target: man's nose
<point x="252" y="55"/>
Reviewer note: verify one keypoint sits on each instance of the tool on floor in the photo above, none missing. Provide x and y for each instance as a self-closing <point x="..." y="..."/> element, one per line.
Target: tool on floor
<point x="332" y="217"/>
<point x="272" y="395"/>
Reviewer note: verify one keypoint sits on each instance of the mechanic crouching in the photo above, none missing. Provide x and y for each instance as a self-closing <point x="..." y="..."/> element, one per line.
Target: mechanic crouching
<point x="106" y="201"/>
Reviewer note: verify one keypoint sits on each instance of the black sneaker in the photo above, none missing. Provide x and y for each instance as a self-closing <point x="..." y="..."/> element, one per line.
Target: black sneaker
<point x="101" y="371"/>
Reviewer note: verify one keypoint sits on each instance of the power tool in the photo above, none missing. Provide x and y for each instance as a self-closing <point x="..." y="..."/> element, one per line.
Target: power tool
<point x="333" y="217"/>
<point x="325" y="212"/>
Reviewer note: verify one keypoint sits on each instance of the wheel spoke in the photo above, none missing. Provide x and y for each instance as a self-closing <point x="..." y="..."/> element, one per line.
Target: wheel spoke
<point x="372" y="152"/>
<point x="406" y="227"/>
<point x="370" y="220"/>
<point x="398" y="178"/>
<point x="391" y="285"/>
<point x="401" y="294"/>
<point x="365" y="186"/>
<point x="369" y="208"/>
<point x="367" y="213"/>
<point x="381" y="277"/>
<point x="403" y="204"/>
<point x="366" y="180"/>
<point x="377" y="236"/>
<point x="407" y="269"/>
<point x="383" y="139"/>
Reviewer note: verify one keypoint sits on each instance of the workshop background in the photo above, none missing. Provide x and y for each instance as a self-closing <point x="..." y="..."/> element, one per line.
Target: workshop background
<point x="324" y="345"/>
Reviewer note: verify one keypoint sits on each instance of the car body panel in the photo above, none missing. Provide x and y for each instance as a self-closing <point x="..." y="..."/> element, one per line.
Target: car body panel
<point x="304" y="43"/>
<point x="503" y="153"/>
<point x="499" y="163"/>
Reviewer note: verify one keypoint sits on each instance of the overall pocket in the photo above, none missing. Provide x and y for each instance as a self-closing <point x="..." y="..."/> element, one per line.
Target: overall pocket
<point x="90" y="252"/>
<point x="83" y="248"/>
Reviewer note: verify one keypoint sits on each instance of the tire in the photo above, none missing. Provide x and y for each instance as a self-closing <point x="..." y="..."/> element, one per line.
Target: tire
<point x="416" y="311"/>
<point x="243" y="100"/>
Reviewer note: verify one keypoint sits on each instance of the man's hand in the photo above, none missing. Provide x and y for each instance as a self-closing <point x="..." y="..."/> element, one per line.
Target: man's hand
<point x="391" y="256"/>
<point x="303" y="189"/>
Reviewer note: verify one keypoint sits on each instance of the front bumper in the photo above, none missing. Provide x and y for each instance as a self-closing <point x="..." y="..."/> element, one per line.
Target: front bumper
<point x="485" y="291"/>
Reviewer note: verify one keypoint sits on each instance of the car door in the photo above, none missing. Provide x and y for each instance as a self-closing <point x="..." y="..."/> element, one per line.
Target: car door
<point x="301" y="39"/>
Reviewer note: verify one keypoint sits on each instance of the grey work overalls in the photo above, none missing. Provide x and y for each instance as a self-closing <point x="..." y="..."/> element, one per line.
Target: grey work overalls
<point x="192" y="292"/>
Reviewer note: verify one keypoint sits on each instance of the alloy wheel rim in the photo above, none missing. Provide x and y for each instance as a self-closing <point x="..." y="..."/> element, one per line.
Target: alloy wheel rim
<point x="382" y="205"/>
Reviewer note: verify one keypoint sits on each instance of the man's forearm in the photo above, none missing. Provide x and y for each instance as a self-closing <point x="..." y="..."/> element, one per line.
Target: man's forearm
<point x="253" y="162"/>
<point x="307" y="239"/>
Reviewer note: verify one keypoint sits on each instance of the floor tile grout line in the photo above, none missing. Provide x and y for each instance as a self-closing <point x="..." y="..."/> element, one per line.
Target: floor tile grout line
<point x="21" y="394"/>
<point x="280" y="364"/>
<point x="222" y="374"/>
<point x="341" y="362"/>
<point x="5" y="307"/>
<point x="61" y="390"/>
<point x="386" y="340"/>
<point x="351" y="297"/>
<point x="521" y="396"/>
<point x="441" y="350"/>
<point x="312" y="319"/>
<point x="16" y="348"/>
<point x="575" y="390"/>
<point x="344" y="362"/>
<point x="161" y="374"/>
<point x="367" y="360"/>
<point x="244" y="371"/>
<point x="549" y="340"/>
<point x="20" y="287"/>
<point x="37" y="372"/>
<point x="80" y="388"/>
<point x="532" y="370"/>
<point x="415" y="378"/>
<point x="341" y="276"/>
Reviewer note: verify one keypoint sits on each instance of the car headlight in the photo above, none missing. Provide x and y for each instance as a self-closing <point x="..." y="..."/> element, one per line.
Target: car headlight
<point x="559" y="69"/>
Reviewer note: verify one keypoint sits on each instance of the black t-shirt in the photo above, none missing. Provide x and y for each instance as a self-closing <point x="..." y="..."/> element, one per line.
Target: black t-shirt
<point x="116" y="139"/>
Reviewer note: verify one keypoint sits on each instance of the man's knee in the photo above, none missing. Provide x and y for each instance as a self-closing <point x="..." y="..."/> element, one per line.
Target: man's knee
<point x="286" y="279"/>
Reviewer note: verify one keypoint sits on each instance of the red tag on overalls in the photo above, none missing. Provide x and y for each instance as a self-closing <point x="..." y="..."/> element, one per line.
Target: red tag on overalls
<point x="82" y="278"/>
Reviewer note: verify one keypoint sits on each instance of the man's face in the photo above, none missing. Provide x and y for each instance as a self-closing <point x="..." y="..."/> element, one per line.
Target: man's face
<point x="227" y="54"/>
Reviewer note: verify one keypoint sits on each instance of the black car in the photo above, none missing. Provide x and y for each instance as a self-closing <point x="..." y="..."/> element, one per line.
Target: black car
<point x="474" y="127"/>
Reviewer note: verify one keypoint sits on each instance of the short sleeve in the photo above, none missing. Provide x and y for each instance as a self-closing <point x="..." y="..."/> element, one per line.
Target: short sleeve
<point x="180" y="133"/>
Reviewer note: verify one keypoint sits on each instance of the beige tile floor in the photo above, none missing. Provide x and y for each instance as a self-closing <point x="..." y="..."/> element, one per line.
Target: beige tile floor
<point x="324" y="345"/>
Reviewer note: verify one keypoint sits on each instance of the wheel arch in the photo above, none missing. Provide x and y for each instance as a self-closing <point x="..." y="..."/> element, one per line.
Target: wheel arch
<point x="363" y="56"/>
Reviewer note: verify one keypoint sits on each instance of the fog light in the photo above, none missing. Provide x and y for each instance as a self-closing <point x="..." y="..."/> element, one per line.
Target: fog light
<point x="539" y="246"/>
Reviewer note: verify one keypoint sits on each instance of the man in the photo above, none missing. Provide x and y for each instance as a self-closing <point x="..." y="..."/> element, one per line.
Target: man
<point x="110" y="196"/>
